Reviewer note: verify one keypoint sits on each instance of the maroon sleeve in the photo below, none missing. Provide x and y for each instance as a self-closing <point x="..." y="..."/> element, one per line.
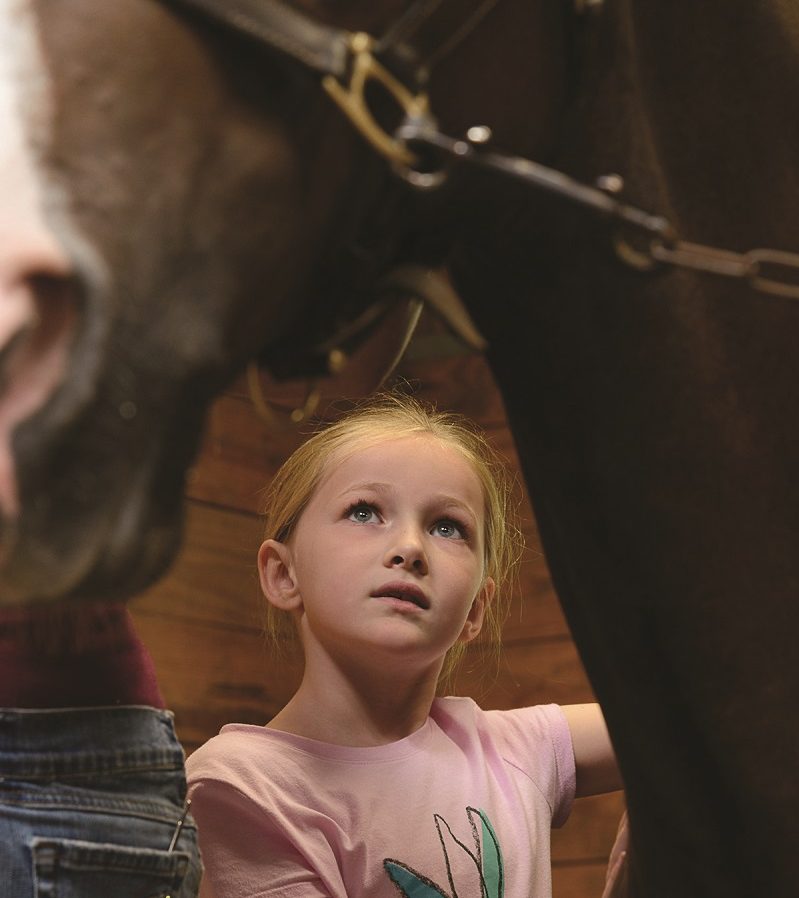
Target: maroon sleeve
<point x="74" y="655"/>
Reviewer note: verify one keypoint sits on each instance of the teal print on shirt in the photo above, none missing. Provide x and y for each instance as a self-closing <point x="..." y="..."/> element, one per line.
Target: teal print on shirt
<point x="486" y="856"/>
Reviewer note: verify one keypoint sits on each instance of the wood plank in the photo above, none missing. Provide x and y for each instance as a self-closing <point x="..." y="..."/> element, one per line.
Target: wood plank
<point x="211" y="676"/>
<point x="214" y="578"/>
<point x="463" y="384"/>
<point x="530" y="673"/>
<point x="578" y="880"/>
<point x="238" y="456"/>
<point x="534" y="611"/>
<point x="589" y="833"/>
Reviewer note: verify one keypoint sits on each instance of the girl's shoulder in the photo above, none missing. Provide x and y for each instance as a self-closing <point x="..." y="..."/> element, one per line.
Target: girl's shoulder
<point x="238" y="751"/>
<point x="542" y="721"/>
<point x="534" y="741"/>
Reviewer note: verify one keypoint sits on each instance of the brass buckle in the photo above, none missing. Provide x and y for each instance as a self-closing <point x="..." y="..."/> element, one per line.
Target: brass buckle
<point x="352" y="101"/>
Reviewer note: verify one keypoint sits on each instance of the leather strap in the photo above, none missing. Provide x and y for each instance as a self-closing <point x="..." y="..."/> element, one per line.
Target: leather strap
<point x="326" y="49"/>
<point x="319" y="47"/>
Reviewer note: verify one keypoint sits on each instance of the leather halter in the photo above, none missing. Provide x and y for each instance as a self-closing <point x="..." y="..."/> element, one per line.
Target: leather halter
<point x="326" y="49"/>
<point x="318" y="47"/>
<point x="347" y="62"/>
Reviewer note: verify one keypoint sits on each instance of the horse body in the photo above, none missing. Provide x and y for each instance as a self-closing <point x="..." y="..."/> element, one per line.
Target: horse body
<point x="654" y="416"/>
<point x="203" y="212"/>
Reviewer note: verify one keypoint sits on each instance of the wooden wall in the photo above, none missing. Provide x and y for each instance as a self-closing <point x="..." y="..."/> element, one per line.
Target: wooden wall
<point x="202" y="622"/>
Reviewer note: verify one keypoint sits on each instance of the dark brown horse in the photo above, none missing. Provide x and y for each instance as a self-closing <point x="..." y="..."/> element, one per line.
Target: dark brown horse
<point x="201" y="199"/>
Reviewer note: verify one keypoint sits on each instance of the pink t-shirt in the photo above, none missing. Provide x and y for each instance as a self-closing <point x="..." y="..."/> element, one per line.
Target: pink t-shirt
<point x="463" y="806"/>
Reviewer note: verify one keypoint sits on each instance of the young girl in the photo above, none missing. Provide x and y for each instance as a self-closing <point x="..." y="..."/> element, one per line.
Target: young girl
<point x="387" y="540"/>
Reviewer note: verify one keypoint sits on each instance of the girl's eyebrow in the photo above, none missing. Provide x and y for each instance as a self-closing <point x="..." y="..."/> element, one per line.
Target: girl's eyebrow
<point x="457" y="503"/>
<point x="373" y="486"/>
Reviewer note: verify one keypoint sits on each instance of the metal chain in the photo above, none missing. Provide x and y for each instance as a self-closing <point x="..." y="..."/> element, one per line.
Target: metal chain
<point x="771" y="271"/>
<point x="766" y="270"/>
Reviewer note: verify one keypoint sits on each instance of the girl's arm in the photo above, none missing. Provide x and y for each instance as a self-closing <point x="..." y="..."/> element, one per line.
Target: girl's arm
<point x="593" y="753"/>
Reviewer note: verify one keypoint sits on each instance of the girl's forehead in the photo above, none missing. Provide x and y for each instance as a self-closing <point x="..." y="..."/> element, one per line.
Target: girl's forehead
<point x="416" y="447"/>
<point x="399" y="456"/>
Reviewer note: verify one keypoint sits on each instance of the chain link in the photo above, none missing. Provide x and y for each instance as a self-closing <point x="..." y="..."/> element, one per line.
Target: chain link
<point x="766" y="270"/>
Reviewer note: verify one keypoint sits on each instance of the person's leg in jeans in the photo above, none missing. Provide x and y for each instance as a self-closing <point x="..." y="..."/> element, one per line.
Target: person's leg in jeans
<point x="92" y="789"/>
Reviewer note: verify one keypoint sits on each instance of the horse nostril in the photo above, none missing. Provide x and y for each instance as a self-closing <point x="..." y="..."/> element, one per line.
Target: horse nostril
<point x="36" y="323"/>
<point x="38" y="318"/>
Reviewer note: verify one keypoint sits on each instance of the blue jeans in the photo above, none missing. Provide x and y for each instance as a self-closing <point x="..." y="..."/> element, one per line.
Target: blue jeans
<point x="91" y="803"/>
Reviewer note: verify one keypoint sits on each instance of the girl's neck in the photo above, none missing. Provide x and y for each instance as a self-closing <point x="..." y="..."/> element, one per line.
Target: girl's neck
<point x="342" y="708"/>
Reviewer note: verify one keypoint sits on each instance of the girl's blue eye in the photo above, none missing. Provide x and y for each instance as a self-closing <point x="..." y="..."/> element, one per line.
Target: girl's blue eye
<point x="449" y="529"/>
<point x="362" y="513"/>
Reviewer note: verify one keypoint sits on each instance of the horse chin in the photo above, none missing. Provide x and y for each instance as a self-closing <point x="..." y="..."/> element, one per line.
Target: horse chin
<point x="92" y="571"/>
<point x="80" y="543"/>
<point x="98" y="471"/>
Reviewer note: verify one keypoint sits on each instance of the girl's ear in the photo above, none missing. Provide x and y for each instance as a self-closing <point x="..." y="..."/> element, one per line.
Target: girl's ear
<point x="276" y="573"/>
<point x="474" y="621"/>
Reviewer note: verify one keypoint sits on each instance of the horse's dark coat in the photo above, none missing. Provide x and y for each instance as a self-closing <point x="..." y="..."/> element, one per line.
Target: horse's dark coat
<point x="655" y="420"/>
<point x="654" y="414"/>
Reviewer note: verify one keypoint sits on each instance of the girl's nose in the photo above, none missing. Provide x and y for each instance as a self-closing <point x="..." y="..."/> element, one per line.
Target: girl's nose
<point x="408" y="555"/>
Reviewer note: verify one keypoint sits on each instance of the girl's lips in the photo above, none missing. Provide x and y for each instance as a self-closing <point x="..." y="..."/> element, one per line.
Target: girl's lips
<point x="405" y="592"/>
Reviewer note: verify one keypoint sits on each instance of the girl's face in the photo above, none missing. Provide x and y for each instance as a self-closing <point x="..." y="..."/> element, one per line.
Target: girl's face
<point x="386" y="562"/>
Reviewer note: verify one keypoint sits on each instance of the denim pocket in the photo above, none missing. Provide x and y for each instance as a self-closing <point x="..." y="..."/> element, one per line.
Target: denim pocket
<point x="66" y="868"/>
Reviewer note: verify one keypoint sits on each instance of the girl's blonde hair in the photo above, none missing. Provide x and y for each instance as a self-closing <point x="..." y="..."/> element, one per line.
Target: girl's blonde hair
<point x="392" y="416"/>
